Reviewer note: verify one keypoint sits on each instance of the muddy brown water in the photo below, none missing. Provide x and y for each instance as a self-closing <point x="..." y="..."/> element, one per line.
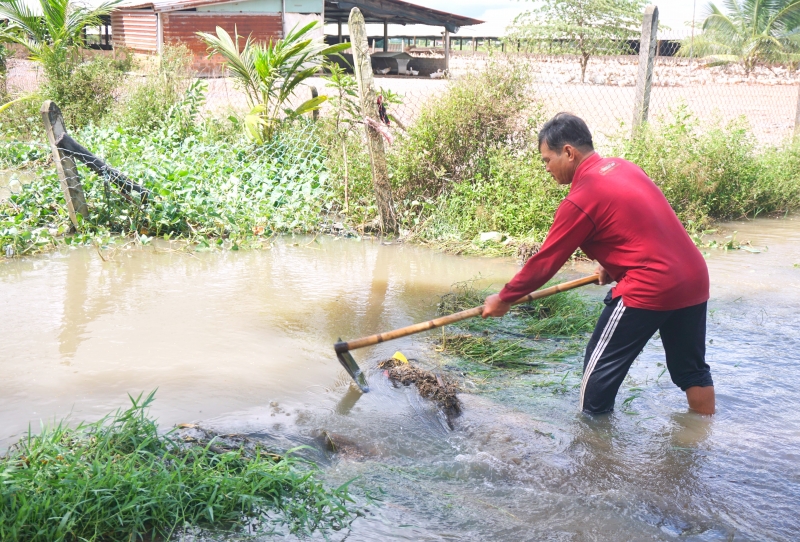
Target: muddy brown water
<point x="242" y="342"/>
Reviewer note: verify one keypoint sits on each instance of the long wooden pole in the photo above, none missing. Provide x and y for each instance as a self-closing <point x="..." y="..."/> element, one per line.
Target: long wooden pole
<point x="342" y="347"/>
<point x="369" y="107"/>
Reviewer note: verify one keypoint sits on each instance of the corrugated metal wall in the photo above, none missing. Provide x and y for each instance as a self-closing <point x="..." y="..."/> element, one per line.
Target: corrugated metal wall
<point x="135" y="29"/>
<point x="181" y="27"/>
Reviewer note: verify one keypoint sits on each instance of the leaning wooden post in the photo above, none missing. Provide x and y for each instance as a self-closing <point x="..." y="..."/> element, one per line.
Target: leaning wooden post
<point x="644" y="78"/>
<point x="369" y="109"/>
<point x="65" y="165"/>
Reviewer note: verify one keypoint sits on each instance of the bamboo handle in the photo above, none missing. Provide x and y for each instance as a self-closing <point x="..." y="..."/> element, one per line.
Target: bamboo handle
<point x="342" y="347"/>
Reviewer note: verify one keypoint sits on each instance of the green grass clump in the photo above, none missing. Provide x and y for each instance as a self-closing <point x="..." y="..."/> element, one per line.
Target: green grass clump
<point x="118" y="479"/>
<point x="531" y="338"/>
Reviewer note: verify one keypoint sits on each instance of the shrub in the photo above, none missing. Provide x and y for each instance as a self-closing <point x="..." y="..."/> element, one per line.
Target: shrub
<point x="454" y="135"/>
<point x="517" y="196"/>
<point x="148" y="103"/>
<point x="85" y="92"/>
<point x="714" y="172"/>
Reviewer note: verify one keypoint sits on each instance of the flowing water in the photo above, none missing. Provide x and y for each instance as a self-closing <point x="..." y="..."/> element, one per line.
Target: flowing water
<point x="242" y="342"/>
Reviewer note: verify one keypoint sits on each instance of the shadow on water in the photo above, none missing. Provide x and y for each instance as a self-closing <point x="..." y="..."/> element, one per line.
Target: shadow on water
<point x="243" y="343"/>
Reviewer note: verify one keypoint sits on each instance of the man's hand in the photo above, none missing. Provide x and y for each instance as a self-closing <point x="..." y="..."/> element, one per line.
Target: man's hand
<point x="605" y="278"/>
<point x="494" y="306"/>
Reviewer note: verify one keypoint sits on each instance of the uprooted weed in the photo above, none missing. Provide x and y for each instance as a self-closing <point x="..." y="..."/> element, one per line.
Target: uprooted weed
<point x="118" y="479"/>
<point x="440" y="389"/>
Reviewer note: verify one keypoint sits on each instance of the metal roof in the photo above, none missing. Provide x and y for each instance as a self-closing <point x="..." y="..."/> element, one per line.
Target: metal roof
<point x="395" y="12"/>
<point x="170" y="5"/>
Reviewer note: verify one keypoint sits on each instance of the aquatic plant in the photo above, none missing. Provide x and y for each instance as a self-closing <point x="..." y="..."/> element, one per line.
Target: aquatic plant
<point x="119" y="479"/>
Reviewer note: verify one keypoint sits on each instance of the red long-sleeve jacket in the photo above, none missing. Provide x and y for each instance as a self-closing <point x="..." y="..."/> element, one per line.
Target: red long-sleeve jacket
<point x="619" y="217"/>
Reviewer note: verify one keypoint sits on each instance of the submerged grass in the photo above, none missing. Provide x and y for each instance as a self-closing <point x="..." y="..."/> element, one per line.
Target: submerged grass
<point x="118" y="479"/>
<point x="527" y="349"/>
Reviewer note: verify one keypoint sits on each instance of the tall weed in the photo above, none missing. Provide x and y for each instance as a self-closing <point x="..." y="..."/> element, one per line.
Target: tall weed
<point x="455" y="134"/>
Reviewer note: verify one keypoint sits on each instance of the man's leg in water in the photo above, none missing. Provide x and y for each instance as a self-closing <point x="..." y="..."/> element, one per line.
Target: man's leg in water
<point x="620" y="335"/>
<point x="684" y="337"/>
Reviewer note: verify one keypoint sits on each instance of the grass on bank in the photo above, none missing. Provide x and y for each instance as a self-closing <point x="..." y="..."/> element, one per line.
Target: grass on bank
<point x="214" y="188"/>
<point x="119" y="479"/>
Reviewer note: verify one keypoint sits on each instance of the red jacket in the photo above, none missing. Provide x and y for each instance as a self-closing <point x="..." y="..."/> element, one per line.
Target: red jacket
<point x="619" y="217"/>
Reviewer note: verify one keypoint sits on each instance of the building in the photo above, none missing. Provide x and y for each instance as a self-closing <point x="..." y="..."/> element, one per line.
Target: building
<point x="146" y="26"/>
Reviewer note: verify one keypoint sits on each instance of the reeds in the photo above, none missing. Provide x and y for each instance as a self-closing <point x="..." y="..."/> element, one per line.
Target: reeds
<point x="118" y="479"/>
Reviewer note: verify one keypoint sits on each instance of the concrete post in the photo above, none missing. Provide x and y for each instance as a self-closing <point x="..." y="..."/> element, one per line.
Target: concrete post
<point x="447" y="50"/>
<point x="644" y="78"/>
<point x="65" y="166"/>
<point x="369" y="109"/>
<point x="797" y="115"/>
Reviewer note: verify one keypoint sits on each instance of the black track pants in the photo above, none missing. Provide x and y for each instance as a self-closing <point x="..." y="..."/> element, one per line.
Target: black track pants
<point x="622" y="333"/>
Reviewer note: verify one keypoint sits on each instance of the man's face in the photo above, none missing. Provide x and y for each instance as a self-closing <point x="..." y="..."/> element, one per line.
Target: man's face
<point x="561" y="166"/>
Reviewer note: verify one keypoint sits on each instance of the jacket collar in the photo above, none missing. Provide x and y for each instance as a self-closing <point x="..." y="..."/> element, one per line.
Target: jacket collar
<point x="584" y="167"/>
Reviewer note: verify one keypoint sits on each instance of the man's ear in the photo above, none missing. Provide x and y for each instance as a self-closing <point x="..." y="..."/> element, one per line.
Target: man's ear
<point x="570" y="151"/>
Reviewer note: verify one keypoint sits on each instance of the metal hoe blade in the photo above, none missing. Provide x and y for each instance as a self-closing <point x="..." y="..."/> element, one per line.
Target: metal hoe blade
<point x="352" y="368"/>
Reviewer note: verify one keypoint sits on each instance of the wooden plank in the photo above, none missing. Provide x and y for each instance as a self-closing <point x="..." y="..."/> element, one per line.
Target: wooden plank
<point x="65" y="166"/>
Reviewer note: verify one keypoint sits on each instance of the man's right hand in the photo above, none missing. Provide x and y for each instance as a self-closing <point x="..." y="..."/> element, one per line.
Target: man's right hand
<point x="605" y="278"/>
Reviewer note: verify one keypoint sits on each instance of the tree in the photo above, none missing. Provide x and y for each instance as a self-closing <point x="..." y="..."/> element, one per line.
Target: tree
<point x="752" y="32"/>
<point x="271" y="73"/>
<point x="53" y="33"/>
<point x="585" y="28"/>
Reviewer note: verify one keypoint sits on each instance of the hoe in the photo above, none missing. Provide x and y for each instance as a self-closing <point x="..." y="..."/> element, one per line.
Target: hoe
<point x="343" y="348"/>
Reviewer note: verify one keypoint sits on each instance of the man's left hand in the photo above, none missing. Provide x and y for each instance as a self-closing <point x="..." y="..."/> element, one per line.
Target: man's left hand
<point x="494" y="306"/>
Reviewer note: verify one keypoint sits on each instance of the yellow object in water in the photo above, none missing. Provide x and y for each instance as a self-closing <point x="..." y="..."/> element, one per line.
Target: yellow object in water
<point x="400" y="357"/>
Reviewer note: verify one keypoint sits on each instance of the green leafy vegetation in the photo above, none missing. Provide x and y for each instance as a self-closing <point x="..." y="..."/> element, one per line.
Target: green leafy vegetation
<point x="119" y="479"/>
<point x="752" y="32"/>
<point x="584" y="28"/>
<point x="272" y="73"/>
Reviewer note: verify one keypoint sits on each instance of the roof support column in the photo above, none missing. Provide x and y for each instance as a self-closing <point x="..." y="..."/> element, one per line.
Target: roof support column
<point x="339" y="23"/>
<point x="385" y="36"/>
<point x="446" y="50"/>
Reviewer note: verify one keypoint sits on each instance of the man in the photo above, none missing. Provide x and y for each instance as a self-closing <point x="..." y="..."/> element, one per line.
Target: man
<point x="619" y="217"/>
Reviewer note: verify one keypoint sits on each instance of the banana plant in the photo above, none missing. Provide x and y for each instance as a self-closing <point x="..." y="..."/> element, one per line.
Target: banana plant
<point x="271" y="73"/>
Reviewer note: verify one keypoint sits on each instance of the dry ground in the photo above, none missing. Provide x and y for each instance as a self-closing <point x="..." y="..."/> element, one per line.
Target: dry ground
<point x="767" y="99"/>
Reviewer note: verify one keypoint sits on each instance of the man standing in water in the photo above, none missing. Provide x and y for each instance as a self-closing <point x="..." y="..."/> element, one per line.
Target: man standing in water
<point x="619" y="217"/>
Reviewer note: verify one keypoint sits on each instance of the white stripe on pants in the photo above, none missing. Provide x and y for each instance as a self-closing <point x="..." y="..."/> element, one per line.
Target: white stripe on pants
<point x="605" y="338"/>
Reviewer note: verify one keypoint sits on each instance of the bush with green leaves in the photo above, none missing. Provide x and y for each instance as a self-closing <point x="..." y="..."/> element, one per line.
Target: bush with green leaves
<point x="87" y="93"/>
<point x="146" y="105"/>
<point x="208" y="189"/>
<point x="454" y="135"/>
<point x="120" y="479"/>
<point x="715" y="172"/>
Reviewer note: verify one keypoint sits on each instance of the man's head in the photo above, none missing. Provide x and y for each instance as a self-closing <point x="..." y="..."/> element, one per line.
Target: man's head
<point x="564" y="142"/>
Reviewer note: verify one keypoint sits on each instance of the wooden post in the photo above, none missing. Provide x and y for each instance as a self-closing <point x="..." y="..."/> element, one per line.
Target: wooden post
<point x="369" y="109"/>
<point x="385" y="36"/>
<point x="65" y="166"/>
<point x="314" y="94"/>
<point x="339" y="24"/>
<point x="644" y="78"/>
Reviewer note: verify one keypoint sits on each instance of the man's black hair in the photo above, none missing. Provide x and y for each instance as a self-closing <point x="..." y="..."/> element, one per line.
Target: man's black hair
<point x="566" y="129"/>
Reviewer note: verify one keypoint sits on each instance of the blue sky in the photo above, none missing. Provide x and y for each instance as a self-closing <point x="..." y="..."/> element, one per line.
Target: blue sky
<point x="498" y="13"/>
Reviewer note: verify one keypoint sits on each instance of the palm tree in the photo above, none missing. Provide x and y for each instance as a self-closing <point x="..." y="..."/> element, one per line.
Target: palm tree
<point x="751" y="32"/>
<point x="271" y="73"/>
<point x="53" y="32"/>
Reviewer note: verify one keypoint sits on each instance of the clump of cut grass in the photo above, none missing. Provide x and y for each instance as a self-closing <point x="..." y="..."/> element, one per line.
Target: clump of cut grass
<point x="567" y="314"/>
<point x="488" y="351"/>
<point x="118" y="479"/>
